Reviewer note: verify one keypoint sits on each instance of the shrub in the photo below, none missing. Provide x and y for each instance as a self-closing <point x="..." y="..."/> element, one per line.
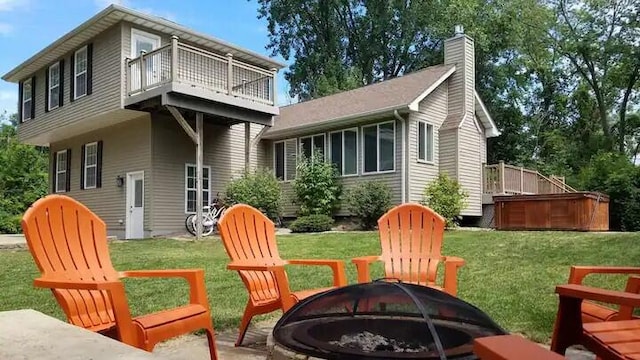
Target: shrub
<point x="10" y="224"/>
<point x="311" y="223"/>
<point x="368" y="201"/>
<point x="317" y="186"/>
<point x="614" y="175"/>
<point x="446" y="196"/>
<point x="260" y="189"/>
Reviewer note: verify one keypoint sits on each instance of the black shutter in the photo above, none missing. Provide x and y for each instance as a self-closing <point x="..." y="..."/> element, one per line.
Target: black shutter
<point x="33" y="97"/>
<point x="68" y="170"/>
<point x="20" y="90"/>
<point x="72" y="71"/>
<point x="89" y="69"/>
<point x="46" y="90"/>
<point x="61" y="86"/>
<point x="54" y="170"/>
<point x="99" y="165"/>
<point x="82" y="156"/>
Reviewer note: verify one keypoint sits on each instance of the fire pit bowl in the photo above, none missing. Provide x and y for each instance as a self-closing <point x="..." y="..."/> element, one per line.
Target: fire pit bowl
<point x="383" y="319"/>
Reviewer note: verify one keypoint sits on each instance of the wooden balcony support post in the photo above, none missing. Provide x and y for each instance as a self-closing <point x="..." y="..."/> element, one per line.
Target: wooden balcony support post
<point x="230" y="73"/>
<point x="501" y="169"/>
<point x="247" y="146"/>
<point x="143" y="71"/>
<point x="199" y="177"/>
<point x="174" y="58"/>
<point x="521" y="180"/>
<point x="274" y="87"/>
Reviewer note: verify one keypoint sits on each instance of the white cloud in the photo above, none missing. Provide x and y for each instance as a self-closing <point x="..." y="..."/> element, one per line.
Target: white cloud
<point x="9" y="101"/>
<point x="9" y="5"/>
<point x="5" y="28"/>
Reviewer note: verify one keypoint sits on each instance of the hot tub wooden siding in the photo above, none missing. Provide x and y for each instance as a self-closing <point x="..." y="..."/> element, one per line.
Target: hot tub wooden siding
<point x="581" y="211"/>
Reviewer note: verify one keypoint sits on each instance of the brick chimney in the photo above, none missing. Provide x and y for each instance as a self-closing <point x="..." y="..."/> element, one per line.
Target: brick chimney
<point x="459" y="51"/>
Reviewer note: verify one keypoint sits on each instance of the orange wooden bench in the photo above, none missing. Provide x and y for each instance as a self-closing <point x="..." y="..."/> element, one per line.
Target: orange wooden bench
<point x="511" y="347"/>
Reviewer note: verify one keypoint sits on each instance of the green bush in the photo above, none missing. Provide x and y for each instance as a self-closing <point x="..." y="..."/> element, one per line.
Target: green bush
<point x="445" y="196"/>
<point x="368" y="201"/>
<point x="311" y="223"/>
<point x="317" y="186"/>
<point x="10" y="224"/>
<point x="260" y="189"/>
<point x="614" y="175"/>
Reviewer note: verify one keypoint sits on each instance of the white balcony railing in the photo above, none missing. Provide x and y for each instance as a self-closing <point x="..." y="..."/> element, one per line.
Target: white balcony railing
<point x="182" y="63"/>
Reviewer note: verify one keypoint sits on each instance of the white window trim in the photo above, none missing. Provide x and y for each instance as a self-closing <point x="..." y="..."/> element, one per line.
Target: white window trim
<point x="377" y="125"/>
<point x="284" y="142"/>
<point x="23" y="101"/>
<point x="58" y="153"/>
<point x="86" y="167"/>
<point x="343" y="152"/>
<point x="136" y="32"/>
<point x="186" y="186"/>
<point x="433" y="135"/>
<point x="76" y="74"/>
<point x="324" y="146"/>
<point x="57" y="87"/>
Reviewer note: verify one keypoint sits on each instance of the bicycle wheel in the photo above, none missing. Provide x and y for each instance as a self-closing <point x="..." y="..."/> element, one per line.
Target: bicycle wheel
<point x="189" y="223"/>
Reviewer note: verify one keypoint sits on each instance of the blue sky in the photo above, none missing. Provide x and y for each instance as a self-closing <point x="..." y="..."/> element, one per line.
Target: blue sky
<point x="27" y="26"/>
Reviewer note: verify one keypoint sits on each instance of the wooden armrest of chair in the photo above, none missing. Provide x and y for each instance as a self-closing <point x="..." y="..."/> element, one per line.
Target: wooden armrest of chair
<point x="253" y="266"/>
<point x="597" y="294"/>
<point x="77" y="285"/>
<point x="337" y="267"/>
<point x="511" y="347"/>
<point x="195" y="278"/>
<point x="578" y="273"/>
<point x="451" y="266"/>
<point x="362" y="266"/>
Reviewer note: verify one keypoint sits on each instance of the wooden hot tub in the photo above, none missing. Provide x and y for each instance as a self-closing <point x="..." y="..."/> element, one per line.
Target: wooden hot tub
<point x="582" y="211"/>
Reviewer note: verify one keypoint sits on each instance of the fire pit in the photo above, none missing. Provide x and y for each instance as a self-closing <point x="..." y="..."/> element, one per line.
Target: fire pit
<point x="383" y="319"/>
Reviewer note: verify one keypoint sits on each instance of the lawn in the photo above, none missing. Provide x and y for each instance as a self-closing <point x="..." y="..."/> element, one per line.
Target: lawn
<point x="509" y="275"/>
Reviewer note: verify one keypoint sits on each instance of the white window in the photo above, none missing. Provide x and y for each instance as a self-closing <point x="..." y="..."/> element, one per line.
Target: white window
<point x="378" y="143"/>
<point x="80" y="73"/>
<point x="61" y="171"/>
<point x="90" y="165"/>
<point x="425" y="142"/>
<point x="26" y="100"/>
<point x="344" y="151"/>
<point x="284" y="159"/>
<point x="54" y="86"/>
<point x="191" y="182"/>
<point x="315" y="142"/>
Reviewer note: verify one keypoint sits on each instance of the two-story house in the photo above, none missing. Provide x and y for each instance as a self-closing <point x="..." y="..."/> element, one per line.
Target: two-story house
<point x="127" y="101"/>
<point x="112" y="99"/>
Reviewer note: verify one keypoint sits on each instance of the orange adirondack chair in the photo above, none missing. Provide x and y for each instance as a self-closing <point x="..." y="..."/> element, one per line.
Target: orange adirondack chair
<point x="594" y="312"/>
<point x="411" y="239"/>
<point x="69" y="245"/>
<point x="250" y="240"/>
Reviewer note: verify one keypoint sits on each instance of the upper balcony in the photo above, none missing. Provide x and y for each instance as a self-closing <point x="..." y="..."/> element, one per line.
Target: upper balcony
<point x="181" y="69"/>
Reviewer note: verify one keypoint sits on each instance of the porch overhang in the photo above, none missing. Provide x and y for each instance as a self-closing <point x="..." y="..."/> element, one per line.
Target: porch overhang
<point x="91" y="123"/>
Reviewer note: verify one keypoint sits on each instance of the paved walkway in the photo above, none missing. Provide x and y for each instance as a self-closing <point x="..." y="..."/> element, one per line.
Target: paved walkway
<point x="12" y="241"/>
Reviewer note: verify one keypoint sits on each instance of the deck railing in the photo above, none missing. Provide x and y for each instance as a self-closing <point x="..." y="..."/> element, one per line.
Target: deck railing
<point x="502" y="178"/>
<point x="182" y="63"/>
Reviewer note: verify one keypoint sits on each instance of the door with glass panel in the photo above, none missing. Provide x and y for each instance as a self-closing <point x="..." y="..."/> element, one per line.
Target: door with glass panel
<point x="144" y="41"/>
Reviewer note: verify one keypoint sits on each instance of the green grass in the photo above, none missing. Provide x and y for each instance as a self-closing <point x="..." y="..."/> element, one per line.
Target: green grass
<point x="509" y="275"/>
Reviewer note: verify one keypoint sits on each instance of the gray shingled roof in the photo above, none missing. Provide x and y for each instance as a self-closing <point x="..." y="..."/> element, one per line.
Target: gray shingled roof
<point x="368" y="100"/>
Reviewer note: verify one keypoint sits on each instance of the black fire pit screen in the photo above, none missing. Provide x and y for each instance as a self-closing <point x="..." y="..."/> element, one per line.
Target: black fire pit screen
<point x="384" y="319"/>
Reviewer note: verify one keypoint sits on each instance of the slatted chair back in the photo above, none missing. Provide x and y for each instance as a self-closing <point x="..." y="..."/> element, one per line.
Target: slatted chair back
<point x="69" y="243"/>
<point x="411" y="239"/>
<point x="249" y="236"/>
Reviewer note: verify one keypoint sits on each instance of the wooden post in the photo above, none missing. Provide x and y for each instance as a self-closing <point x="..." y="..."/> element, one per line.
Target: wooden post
<point x="143" y="71"/>
<point x="174" y="58"/>
<point x="230" y="74"/>
<point x="274" y="88"/>
<point x="501" y="167"/>
<point x="247" y="146"/>
<point x="521" y="180"/>
<point x="199" y="151"/>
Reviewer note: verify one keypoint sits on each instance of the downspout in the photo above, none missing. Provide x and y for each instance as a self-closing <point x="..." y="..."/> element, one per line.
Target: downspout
<point x="405" y="168"/>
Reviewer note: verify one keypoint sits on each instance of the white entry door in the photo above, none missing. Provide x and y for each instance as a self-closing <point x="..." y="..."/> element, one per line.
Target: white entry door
<point x="135" y="205"/>
<point x="144" y="41"/>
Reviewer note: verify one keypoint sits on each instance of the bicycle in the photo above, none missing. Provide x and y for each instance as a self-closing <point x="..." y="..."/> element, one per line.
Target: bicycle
<point x="210" y="217"/>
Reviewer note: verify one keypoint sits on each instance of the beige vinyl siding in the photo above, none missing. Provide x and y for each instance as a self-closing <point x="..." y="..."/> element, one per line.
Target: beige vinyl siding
<point x="106" y="94"/>
<point x="172" y="149"/>
<point x="433" y="110"/>
<point x="392" y="179"/>
<point x="448" y="151"/>
<point x="454" y="54"/>
<point x="470" y="165"/>
<point x="483" y="144"/>
<point x="126" y="148"/>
